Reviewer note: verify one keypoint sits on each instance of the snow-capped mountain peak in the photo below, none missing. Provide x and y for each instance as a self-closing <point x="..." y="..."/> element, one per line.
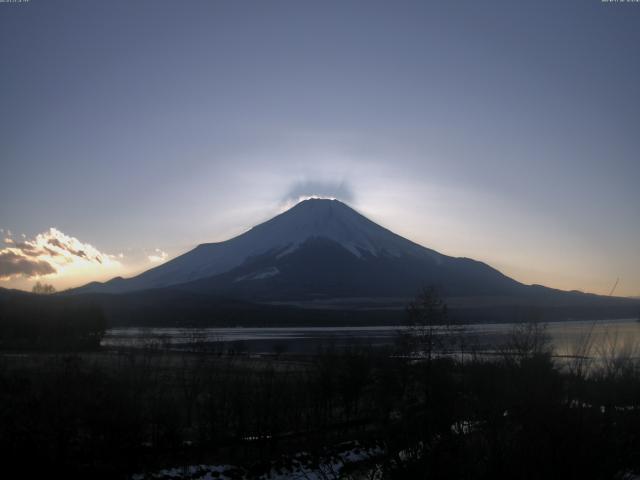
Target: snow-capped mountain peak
<point x="333" y="220"/>
<point x="310" y="219"/>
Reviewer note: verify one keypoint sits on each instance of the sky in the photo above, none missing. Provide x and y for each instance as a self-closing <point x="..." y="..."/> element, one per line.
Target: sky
<point x="131" y="131"/>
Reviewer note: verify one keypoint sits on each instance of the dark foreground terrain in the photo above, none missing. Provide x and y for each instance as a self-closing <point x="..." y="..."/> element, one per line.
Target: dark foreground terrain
<point x="427" y="406"/>
<point x="111" y="414"/>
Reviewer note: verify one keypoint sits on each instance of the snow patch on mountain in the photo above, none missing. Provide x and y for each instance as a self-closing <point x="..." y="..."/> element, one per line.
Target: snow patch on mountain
<point x="260" y="275"/>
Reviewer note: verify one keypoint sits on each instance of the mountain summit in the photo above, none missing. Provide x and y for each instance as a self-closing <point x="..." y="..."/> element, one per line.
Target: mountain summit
<point x="317" y="249"/>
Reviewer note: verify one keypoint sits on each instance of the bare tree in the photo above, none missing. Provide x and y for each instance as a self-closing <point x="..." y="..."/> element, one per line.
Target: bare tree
<point x="528" y="340"/>
<point x="617" y="355"/>
<point x="427" y="315"/>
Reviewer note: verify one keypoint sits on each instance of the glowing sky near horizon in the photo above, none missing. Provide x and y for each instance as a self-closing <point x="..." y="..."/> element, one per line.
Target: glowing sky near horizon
<point x="498" y="130"/>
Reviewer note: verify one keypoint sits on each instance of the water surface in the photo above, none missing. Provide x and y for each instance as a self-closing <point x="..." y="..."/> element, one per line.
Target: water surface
<point x="568" y="338"/>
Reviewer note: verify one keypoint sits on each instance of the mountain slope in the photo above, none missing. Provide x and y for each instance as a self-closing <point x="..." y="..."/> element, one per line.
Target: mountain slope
<point x="282" y="235"/>
<point x="319" y="250"/>
<point x="321" y="268"/>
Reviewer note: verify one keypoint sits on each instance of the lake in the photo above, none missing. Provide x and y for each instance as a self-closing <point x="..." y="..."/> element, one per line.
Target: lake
<point x="605" y="336"/>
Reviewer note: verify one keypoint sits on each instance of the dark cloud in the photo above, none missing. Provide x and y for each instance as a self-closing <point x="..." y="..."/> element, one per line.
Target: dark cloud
<point x="69" y="249"/>
<point x="13" y="264"/>
<point x="309" y="188"/>
<point x="55" y="242"/>
<point x="50" y="251"/>
<point x="26" y="249"/>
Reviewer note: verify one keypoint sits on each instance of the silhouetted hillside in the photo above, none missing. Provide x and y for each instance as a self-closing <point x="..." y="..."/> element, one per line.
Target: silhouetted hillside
<point x="49" y="322"/>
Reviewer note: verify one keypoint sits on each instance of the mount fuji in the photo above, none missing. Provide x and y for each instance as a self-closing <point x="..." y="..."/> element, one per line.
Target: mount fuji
<point x="318" y="249"/>
<point x="322" y="263"/>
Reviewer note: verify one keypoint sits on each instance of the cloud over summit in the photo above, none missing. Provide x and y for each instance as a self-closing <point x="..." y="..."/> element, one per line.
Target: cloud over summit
<point x="340" y="190"/>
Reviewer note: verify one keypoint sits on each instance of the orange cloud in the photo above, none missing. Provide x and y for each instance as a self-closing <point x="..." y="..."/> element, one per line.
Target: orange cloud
<point x="49" y="253"/>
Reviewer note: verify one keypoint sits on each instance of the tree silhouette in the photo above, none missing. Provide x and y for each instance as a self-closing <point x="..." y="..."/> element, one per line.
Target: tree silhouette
<point x="43" y="289"/>
<point x="427" y="314"/>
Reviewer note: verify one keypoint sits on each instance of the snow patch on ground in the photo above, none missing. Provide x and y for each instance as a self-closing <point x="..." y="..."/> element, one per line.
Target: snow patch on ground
<point x="299" y="466"/>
